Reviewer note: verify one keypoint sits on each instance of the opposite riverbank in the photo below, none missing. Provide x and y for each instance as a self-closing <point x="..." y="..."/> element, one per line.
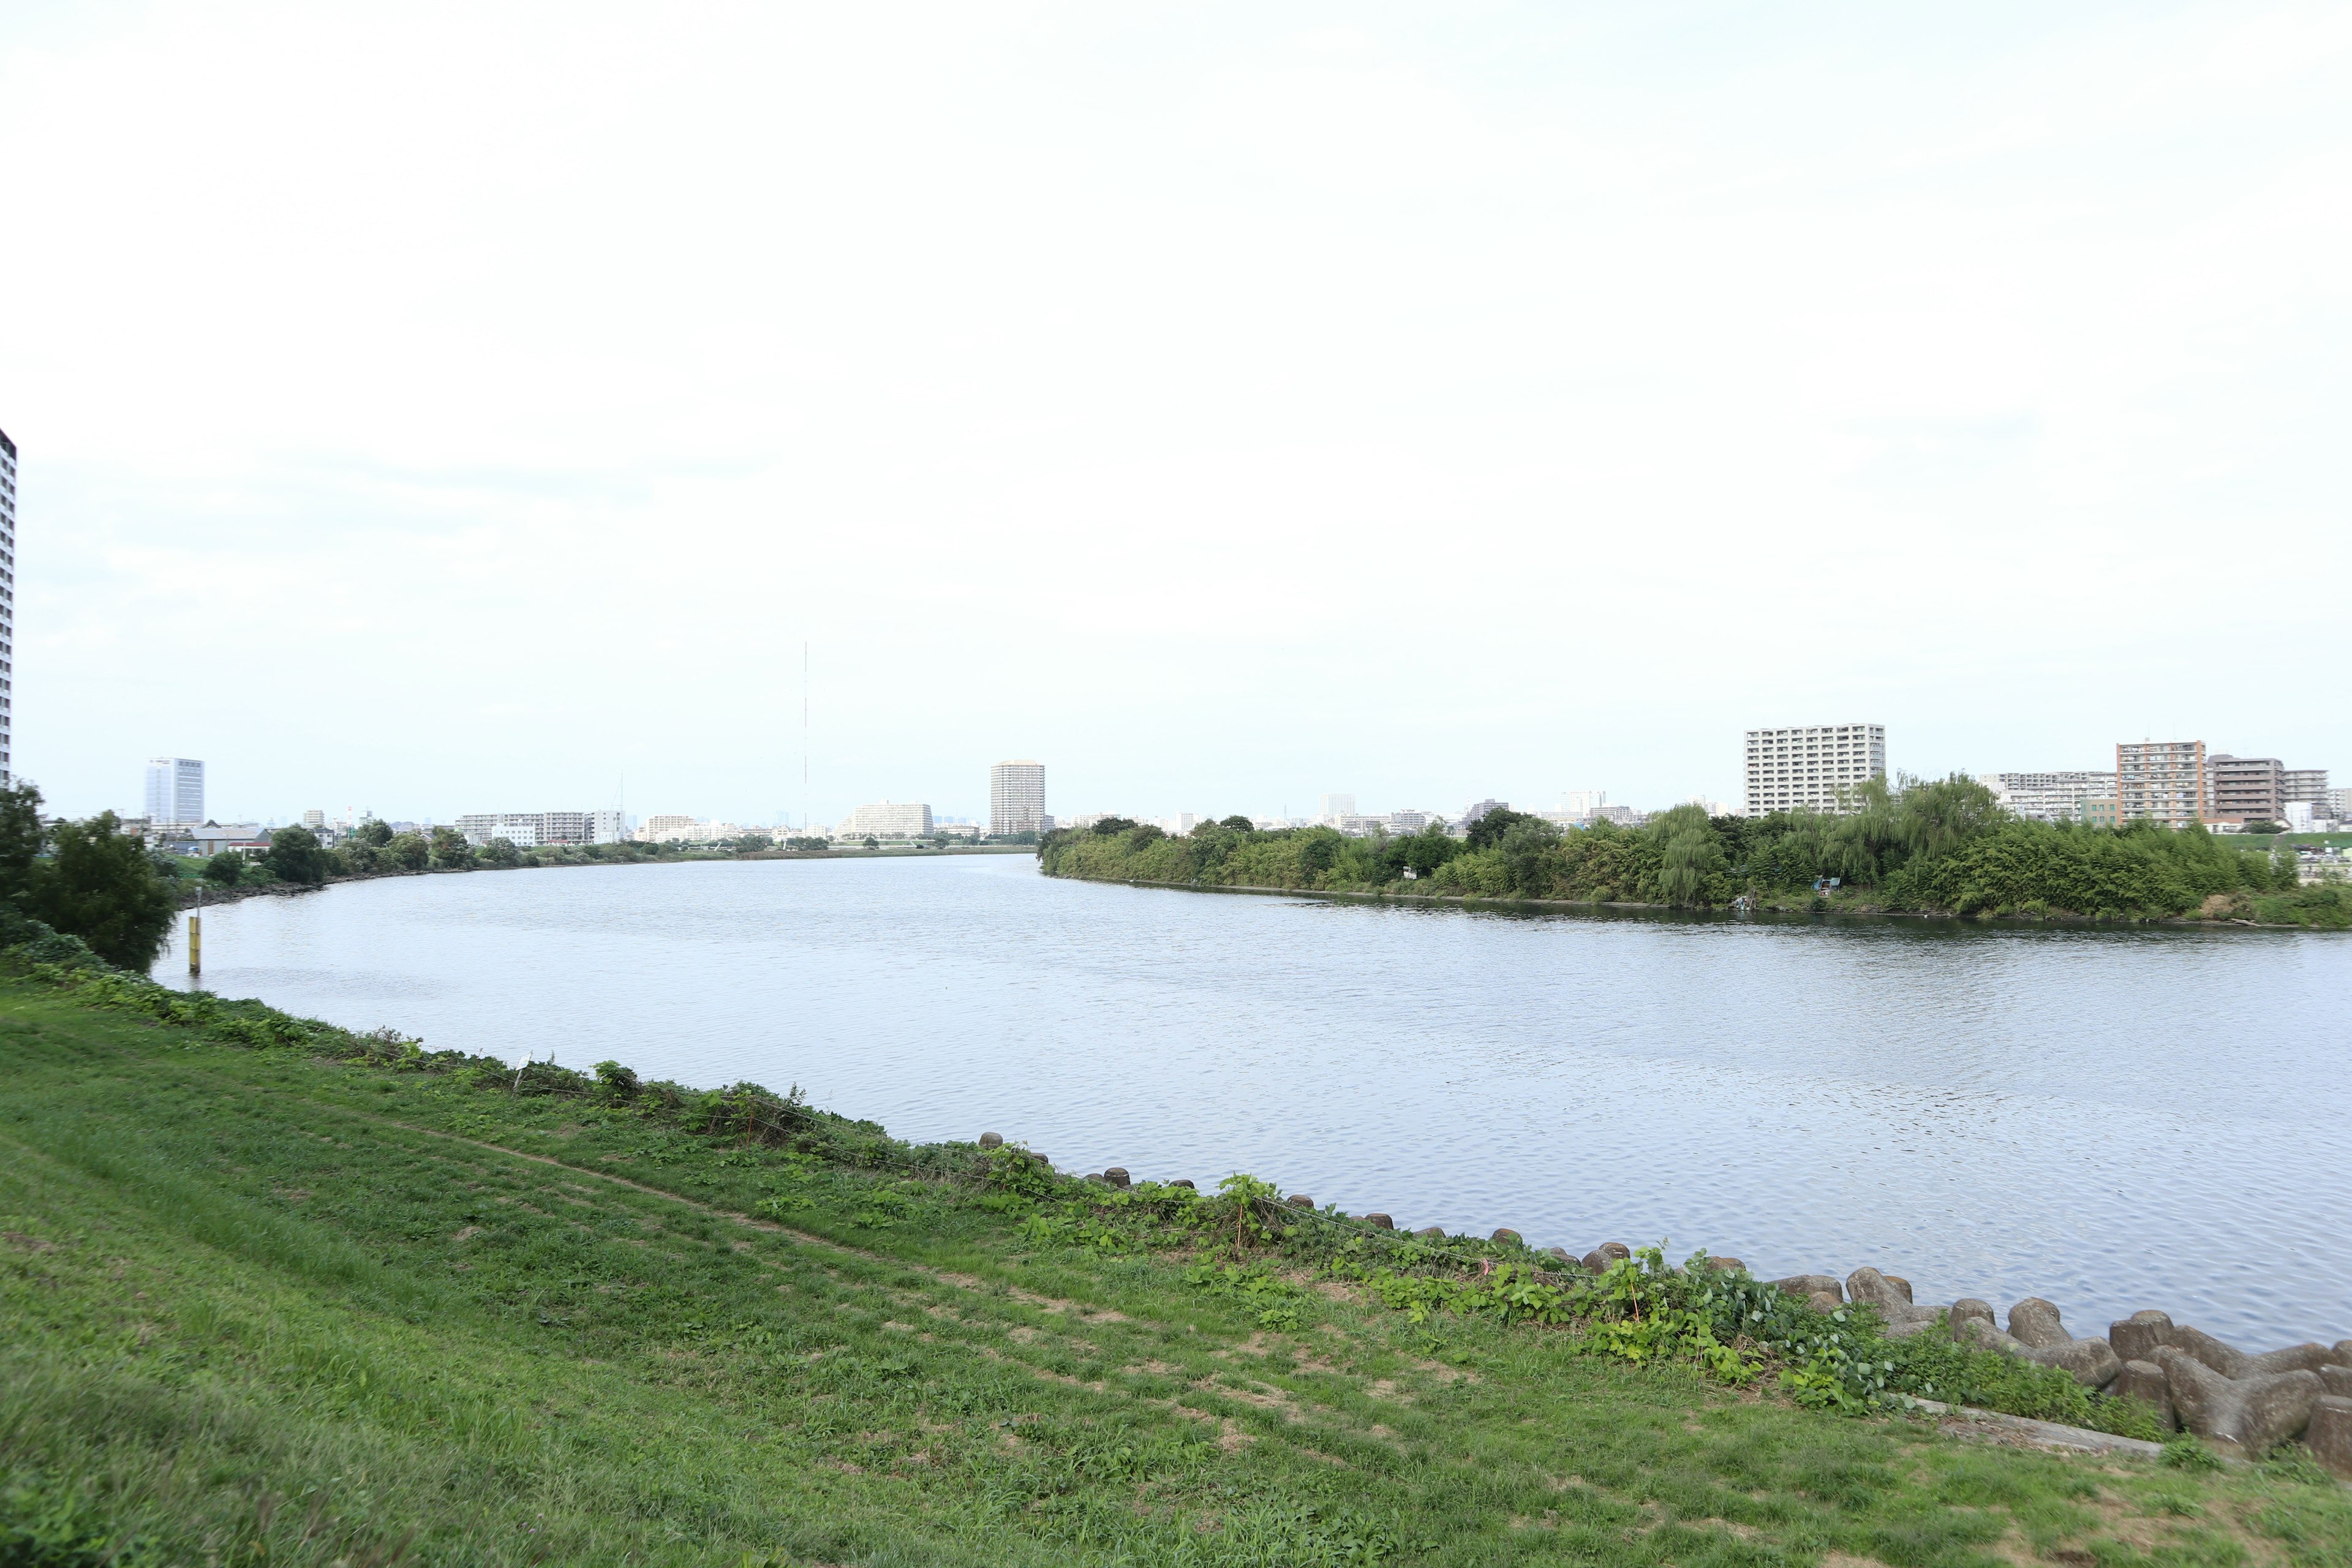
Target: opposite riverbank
<point x="279" y="1289"/>
<point x="1943" y="848"/>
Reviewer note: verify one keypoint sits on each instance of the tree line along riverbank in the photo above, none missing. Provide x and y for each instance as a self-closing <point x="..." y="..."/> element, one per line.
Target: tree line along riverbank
<point x="282" y="1293"/>
<point x="90" y="880"/>
<point x="1942" y="846"/>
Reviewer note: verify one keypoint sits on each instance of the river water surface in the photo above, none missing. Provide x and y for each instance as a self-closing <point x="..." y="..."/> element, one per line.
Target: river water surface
<point x="2112" y="1120"/>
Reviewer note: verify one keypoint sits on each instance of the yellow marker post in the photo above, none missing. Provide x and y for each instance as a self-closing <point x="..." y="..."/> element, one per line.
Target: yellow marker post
<point x="195" y="944"/>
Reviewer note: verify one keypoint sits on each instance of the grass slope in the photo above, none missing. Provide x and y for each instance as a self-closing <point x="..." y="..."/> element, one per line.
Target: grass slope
<point x="260" y="1308"/>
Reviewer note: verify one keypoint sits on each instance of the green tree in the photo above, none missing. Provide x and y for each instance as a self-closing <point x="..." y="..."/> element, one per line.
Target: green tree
<point x="226" y="869"/>
<point x="501" y="852"/>
<point x="407" y="852"/>
<point x="1488" y="830"/>
<point x="450" y="850"/>
<point x="21" y="835"/>
<point x="1238" y="823"/>
<point x="296" y="856"/>
<point x="374" y="833"/>
<point x="99" y="885"/>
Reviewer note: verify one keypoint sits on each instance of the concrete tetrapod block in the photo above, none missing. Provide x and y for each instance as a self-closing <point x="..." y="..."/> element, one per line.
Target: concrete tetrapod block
<point x="1727" y="1264"/>
<point x="2136" y="1338"/>
<point x="1893" y="1299"/>
<point x="2336" y="1380"/>
<point x="1431" y="1233"/>
<point x="2035" y="1324"/>
<point x="1504" y="1233"/>
<point x="2143" y="1381"/>
<point x="2250" y="1414"/>
<point x="1379" y="1221"/>
<point x="1599" y="1259"/>
<point x="991" y="1139"/>
<point x="1966" y="1311"/>
<point x="2342" y="1355"/>
<point x="2330" y="1433"/>
<point x="1979" y="1332"/>
<point x="1117" y="1176"/>
<point x="1812" y="1285"/>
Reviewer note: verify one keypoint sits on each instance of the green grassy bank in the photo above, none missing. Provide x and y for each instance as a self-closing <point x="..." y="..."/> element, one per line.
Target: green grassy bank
<point x="277" y="1293"/>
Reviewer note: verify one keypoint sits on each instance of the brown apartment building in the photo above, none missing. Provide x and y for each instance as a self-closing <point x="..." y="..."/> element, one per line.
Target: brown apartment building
<point x="2164" y="780"/>
<point x="2245" y="789"/>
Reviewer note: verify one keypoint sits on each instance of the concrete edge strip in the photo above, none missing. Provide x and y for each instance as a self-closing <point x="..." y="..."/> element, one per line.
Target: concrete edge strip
<point x="2047" y="1433"/>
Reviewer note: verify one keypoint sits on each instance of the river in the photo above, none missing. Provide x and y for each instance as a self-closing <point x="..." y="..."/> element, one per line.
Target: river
<point x="2110" y="1119"/>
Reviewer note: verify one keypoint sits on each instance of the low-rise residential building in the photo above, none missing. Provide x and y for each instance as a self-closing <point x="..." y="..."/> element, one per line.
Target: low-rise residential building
<point x="2161" y="781"/>
<point x="1811" y="767"/>
<point x="529" y="829"/>
<point x="887" y="819"/>
<point x="2049" y="797"/>
<point x="673" y="829"/>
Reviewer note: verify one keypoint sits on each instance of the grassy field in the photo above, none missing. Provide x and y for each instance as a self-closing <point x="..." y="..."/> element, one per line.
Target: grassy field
<point x="262" y="1307"/>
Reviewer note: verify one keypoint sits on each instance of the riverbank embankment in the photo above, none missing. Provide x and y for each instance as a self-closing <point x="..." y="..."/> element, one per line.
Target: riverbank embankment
<point x="251" y="1257"/>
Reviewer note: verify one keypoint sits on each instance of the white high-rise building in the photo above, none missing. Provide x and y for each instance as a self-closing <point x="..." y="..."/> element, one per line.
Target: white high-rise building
<point x="1811" y="767"/>
<point x="7" y="599"/>
<point x="1335" y="806"/>
<point x="608" y="828"/>
<point x="1016" y="798"/>
<point x="175" y="790"/>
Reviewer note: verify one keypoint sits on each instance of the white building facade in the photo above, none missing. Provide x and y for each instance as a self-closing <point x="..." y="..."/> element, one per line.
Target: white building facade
<point x="1811" y="767"/>
<point x="887" y="819"/>
<point x="528" y="830"/>
<point x="2049" y="797"/>
<point x="1016" y="798"/>
<point x="175" y="790"/>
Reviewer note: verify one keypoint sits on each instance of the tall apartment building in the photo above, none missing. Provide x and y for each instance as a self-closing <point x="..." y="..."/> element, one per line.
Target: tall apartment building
<point x="1812" y="767"/>
<point x="7" y="599"/>
<point x="2049" y="797"/>
<point x="888" y="819"/>
<point x="1016" y="798"/>
<point x="1331" y="807"/>
<point x="175" y="790"/>
<point x="2245" y="789"/>
<point x="2161" y="781"/>
<point x="2303" y="784"/>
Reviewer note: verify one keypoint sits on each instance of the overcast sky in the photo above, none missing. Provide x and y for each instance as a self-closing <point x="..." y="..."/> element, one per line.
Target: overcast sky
<point x="448" y="408"/>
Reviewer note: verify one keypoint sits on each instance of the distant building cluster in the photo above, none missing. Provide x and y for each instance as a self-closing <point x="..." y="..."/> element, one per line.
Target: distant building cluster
<point x="534" y="830"/>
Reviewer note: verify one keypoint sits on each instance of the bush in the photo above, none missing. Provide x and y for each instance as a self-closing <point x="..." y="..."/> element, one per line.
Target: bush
<point x="99" y="885"/>
<point x="295" y="856"/>
<point x="225" y="869"/>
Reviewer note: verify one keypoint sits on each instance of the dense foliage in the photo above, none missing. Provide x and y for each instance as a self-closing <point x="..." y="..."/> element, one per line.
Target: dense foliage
<point x="88" y="879"/>
<point x="1922" y="844"/>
